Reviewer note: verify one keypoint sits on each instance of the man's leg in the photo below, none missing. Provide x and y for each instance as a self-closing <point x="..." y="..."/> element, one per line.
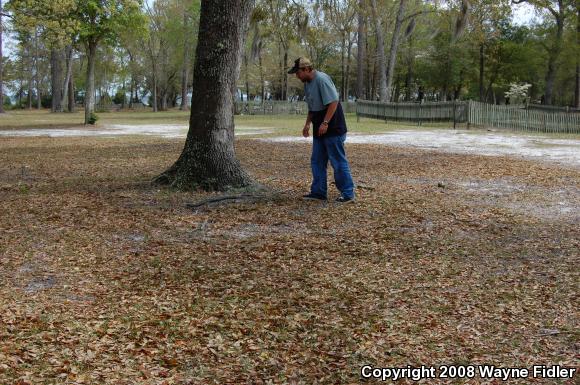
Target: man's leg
<point x="319" y="163"/>
<point x="337" y="156"/>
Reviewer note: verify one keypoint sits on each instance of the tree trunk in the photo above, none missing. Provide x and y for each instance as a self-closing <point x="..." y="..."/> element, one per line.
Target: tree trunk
<point x="370" y="74"/>
<point x="348" y="61"/>
<point x="184" y="106"/>
<point x="184" y="69"/>
<point x="553" y="55"/>
<point x="131" y="90"/>
<point x="457" y="91"/>
<point x="69" y="54"/>
<point x="285" y="75"/>
<point x="55" y="80"/>
<point x="132" y="86"/>
<point x="1" y="64"/>
<point x="20" y="93"/>
<point x="281" y="69"/>
<point x="29" y="63"/>
<point x="71" y="93"/>
<point x="154" y="96"/>
<point x="481" y="73"/>
<point x="374" y="81"/>
<point x="360" y="55"/>
<point x="247" y="76"/>
<point x="37" y="71"/>
<point x="29" y="93"/>
<point x="90" y="88"/>
<point x="342" y="67"/>
<point x="383" y="93"/>
<point x="164" y="101"/>
<point x="208" y="158"/>
<point x="394" y="47"/>
<point x="489" y="94"/>
<point x="409" y="76"/>
<point x="262" y="82"/>
<point x="577" y="89"/>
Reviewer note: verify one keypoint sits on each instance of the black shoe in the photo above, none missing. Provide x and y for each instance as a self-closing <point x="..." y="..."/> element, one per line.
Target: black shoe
<point x="312" y="197"/>
<point x="342" y="199"/>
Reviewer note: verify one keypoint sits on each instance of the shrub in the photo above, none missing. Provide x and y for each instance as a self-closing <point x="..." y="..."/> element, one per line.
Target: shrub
<point x="119" y="97"/>
<point x="93" y="118"/>
<point x="518" y="93"/>
<point x="46" y="101"/>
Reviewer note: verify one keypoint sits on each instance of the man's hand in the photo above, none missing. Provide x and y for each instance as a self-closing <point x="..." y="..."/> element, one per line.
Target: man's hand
<point x="322" y="129"/>
<point x="306" y="131"/>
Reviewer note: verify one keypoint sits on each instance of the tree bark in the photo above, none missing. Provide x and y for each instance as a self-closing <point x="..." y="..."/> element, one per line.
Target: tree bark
<point x="342" y="68"/>
<point x="262" y="81"/>
<point x="90" y="89"/>
<point x="370" y="74"/>
<point x="348" y="62"/>
<point x="481" y="73"/>
<point x="553" y="56"/>
<point x="29" y="62"/>
<point x="395" y="47"/>
<point x="361" y="53"/>
<point x="577" y="89"/>
<point x="409" y="75"/>
<point x="69" y="54"/>
<point x="285" y="75"/>
<point x="1" y="64"/>
<point x="383" y="93"/>
<point x="208" y="158"/>
<point x="37" y="71"/>
<point x="71" y="93"/>
<point x="55" y="80"/>
<point x="29" y="93"/>
<point x="247" y="76"/>
<point x="281" y="69"/>
<point x="154" y="96"/>
<point x="184" y="69"/>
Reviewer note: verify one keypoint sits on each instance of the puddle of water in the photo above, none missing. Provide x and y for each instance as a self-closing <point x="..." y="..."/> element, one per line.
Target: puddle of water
<point x="468" y="142"/>
<point x="163" y="131"/>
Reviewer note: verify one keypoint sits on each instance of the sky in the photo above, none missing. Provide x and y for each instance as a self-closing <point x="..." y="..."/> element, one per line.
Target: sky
<point x="523" y="13"/>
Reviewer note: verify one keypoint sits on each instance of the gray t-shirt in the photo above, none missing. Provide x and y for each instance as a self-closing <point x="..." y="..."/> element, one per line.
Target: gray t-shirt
<point x="320" y="92"/>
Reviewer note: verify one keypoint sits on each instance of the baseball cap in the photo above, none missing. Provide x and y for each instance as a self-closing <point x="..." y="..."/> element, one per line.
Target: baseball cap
<point x="301" y="62"/>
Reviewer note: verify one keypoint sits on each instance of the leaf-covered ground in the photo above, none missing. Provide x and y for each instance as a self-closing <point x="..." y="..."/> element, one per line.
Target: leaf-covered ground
<point x="443" y="259"/>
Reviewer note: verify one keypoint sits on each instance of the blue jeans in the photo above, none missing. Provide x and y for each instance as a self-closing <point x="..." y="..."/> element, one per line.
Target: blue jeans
<point x="331" y="148"/>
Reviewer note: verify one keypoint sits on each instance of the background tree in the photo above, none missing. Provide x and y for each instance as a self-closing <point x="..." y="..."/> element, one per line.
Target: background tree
<point x="1" y="62"/>
<point x="99" y="22"/>
<point x="577" y="54"/>
<point x="341" y="16"/>
<point x="447" y="49"/>
<point x="288" y="21"/>
<point x="559" y="10"/>
<point x="361" y="51"/>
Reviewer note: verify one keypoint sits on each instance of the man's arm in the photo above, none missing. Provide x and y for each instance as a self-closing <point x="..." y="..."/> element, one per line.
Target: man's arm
<point x="330" y="110"/>
<point x="306" y="129"/>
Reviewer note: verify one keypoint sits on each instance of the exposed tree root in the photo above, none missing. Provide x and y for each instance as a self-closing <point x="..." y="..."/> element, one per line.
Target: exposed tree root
<point x="259" y="194"/>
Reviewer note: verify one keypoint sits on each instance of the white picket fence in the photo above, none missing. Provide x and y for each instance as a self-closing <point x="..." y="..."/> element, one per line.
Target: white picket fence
<point x="415" y="112"/>
<point x="520" y="119"/>
<point x="474" y="114"/>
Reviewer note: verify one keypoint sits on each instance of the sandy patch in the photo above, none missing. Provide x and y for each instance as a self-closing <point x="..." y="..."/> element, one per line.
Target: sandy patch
<point x="163" y="131"/>
<point x="565" y="151"/>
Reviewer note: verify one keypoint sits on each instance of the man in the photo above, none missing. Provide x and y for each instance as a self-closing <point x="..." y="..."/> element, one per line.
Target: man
<point x="329" y="133"/>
